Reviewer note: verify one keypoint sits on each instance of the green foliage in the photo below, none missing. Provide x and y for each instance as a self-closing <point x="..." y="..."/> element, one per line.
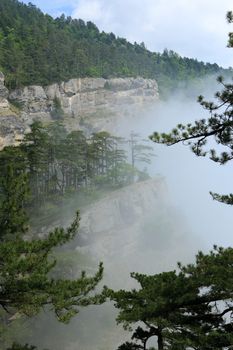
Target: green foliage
<point x="37" y="49"/>
<point x="28" y="281"/>
<point x="14" y="193"/>
<point x="11" y="327"/>
<point x="59" y="165"/>
<point x="26" y="286"/>
<point x="218" y="128"/>
<point x="189" y="308"/>
<point x="39" y="174"/>
<point x="230" y="35"/>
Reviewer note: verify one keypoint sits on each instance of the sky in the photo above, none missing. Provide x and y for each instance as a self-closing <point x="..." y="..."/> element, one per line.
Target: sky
<point x="192" y="28"/>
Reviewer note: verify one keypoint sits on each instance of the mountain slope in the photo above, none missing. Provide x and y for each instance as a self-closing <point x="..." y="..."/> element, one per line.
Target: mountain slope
<point x="132" y="229"/>
<point x="37" y="49"/>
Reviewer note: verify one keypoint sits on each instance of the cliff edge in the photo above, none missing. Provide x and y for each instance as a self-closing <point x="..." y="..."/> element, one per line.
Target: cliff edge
<point x="91" y="104"/>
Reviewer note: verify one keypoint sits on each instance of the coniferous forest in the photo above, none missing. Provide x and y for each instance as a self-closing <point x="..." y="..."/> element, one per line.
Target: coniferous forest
<point x="37" y="49"/>
<point x="51" y="168"/>
<point x="57" y="164"/>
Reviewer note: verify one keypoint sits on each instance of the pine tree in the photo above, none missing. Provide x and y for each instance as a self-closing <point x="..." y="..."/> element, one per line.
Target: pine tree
<point x="14" y="193"/>
<point x="27" y="282"/>
<point x="191" y="308"/>
<point x="140" y="152"/>
<point x="218" y="127"/>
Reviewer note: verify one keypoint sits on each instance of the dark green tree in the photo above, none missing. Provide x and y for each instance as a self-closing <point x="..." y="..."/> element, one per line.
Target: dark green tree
<point x="105" y="158"/>
<point x="27" y="281"/>
<point x="37" y="49"/>
<point x="191" y="308"/>
<point x="14" y="191"/>
<point x="26" y="285"/>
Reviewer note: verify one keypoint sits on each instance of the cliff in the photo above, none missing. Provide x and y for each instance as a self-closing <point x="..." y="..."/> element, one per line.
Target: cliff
<point x="132" y="229"/>
<point x="90" y="103"/>
<point x="12" y="127"/>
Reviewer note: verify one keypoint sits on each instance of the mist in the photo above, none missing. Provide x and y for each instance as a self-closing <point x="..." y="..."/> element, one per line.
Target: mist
<point x="190" y="178"/>
<point x="169" y="220"/>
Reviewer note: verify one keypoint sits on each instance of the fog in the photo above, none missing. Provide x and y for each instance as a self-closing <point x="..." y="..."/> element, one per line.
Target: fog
<point x="190" y="178"/>
<point x="182" y="223"/>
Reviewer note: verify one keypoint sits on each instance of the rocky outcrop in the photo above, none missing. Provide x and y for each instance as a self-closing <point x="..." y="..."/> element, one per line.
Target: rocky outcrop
<point x="3" y="93"/>
<point x="81" y="97"/>
<point x="12" y="127"/>
<point x="90" y="103"/>
<point x="133" y="229"/>
<point x="124" y="207"/>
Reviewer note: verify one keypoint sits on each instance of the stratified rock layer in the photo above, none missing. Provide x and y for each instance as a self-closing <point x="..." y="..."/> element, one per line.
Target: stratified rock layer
<point x="91" y="104"/>
<point x="12" y="127"/>
<point x="4" y="104"/>
<point x="81" y="97"/>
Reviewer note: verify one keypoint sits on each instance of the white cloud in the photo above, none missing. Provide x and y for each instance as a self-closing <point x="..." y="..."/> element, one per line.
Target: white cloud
<point x="89" y="10"/>
<point x="97" y="11"/>
<point x="194" y="28"/>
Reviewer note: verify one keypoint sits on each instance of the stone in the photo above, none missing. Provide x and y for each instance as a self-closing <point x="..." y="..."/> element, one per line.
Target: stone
<point x="3" y="90"/>
<point x="4" y="104"/>
<point x="87" y="95"/>
<point x="97" y="103"/>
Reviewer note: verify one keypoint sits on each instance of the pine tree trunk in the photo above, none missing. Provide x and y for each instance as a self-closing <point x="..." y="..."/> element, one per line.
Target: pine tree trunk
<point x="160" y="341"/>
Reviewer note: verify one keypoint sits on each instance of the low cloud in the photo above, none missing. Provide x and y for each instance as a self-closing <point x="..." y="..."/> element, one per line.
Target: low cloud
<point x="192" y="28"/>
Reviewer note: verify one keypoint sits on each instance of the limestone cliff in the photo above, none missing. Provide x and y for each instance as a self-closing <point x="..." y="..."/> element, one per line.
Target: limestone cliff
<point x="12" y="126"/>
<point x="88" y="103"/>
<point x="132" y="229"/>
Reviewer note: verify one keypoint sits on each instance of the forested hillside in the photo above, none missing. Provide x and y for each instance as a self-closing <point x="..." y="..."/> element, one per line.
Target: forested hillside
<point x="61" y="165"/>
<point x="37" y="49"/>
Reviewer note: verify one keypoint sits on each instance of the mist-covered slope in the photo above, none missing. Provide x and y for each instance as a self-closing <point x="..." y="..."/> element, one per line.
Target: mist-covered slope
<point x="134" y="226"/>
<point x="132" y="229"/>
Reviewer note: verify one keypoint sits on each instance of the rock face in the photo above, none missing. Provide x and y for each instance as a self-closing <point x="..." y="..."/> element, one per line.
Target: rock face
<point x="4" y="93"/>
<point x="82" y="97"/>
<point x="137" y="224"/>
<point x="131" y="229"/>
<point x="12" y="127"/>
<point x="114" y="226"/>
<point x="91" y="104"/>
